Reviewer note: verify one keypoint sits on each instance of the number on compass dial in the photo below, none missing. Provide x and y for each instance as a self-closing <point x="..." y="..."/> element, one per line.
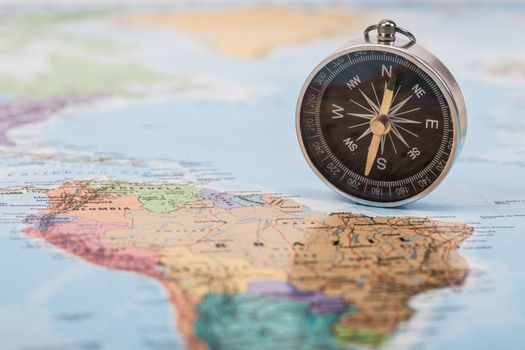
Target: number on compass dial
<point x="376" y="126"/>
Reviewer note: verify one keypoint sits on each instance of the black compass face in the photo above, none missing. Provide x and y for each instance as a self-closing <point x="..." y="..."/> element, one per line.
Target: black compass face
<point x="376" y="126"/>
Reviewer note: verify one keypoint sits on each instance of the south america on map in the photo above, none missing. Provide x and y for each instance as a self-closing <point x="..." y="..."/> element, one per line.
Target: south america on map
<point x="223" y="257"/>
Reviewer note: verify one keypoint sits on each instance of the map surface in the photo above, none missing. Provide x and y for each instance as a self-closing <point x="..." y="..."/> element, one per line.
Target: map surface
<point x="153" y="194"/>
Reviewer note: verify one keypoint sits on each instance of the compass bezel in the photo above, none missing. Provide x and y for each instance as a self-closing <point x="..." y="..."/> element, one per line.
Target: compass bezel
<point x="436" y="70"/>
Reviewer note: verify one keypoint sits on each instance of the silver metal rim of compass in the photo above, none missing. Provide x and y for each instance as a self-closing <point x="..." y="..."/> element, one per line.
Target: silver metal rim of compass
<point x="431" y="65"/>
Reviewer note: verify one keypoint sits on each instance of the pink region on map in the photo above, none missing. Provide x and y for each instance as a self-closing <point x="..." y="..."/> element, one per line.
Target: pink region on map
<point x="82" y="237"/>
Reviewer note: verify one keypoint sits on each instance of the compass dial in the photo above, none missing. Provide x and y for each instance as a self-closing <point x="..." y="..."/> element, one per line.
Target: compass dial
<point x="376" y="126"/>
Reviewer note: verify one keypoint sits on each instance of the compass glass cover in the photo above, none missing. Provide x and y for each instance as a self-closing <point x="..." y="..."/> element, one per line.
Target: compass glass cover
<point x="339" y="118"/>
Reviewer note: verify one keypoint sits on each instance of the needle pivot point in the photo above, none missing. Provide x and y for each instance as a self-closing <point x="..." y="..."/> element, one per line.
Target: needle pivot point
<point x="380" y="125"/>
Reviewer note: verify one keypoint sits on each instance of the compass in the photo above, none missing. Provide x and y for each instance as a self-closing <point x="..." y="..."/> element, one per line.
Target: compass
<point x="381" y="120"/>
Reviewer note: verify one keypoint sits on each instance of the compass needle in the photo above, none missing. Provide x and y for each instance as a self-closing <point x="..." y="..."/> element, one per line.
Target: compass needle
<point x="388" y="96"/>
<point x="372" y="153"/>
<point x="380" y="125"/>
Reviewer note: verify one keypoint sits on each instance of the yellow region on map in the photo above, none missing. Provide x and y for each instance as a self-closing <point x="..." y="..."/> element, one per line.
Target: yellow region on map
<point x="253" y="33"/>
